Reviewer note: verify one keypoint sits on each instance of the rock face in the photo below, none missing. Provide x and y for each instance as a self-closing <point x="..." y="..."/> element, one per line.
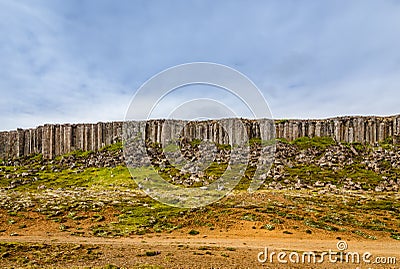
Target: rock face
<point x="55" y="140"/>
<point x="334" y="168"/>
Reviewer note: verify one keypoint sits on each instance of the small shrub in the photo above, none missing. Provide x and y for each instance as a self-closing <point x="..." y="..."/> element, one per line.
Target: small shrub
<point x="361" y="233"/>
<point x="277" y="221"/>
<point x="249" y="217"/>
<point x="193" y="232"/>
<point x="395" y="236"/>
<point x="110" y="266"/>
<point x="268" y="227"/>
<point x="152" y="253"/>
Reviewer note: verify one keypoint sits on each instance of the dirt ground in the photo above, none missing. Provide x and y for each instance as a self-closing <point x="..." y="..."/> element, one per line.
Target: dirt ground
<point x="234" y="239"/>
<point x="46" y="246"/>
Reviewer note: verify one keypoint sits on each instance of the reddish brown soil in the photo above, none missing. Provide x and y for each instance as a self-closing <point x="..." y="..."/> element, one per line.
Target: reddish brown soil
<point x="236" y="247"/>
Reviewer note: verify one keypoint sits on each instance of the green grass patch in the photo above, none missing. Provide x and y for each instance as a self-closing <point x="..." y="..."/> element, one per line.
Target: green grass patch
<point x="387" y="143"/>
<point x="363" y="234"/>
<point x="395" y="236"/>
<point x="112" y="147"/>
<point x="316" y="142"/>
<point x="250" y="217"/>
<point x="118" y="177"/>
<point x="320" y="225"/>
<point x="310" y="173"/>
<point x="282" y="121"/>
<point x="268" y="227"/>
<point x="144" y="217"/>
<point x="171" y="148"/>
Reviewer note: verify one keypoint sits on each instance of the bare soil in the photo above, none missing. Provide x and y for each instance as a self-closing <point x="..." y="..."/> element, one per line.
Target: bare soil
<point x="43" y="245"/>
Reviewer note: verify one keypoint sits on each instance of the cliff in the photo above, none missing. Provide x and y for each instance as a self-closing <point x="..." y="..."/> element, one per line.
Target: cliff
<point x="56" y="139"/>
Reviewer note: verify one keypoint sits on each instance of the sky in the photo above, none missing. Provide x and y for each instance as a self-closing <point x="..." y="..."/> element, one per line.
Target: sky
<point x="82" y="61"/>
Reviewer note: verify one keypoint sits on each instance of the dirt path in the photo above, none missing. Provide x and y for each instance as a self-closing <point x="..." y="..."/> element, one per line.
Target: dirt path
<point x="274" y="242"/>
<point x="210" y="250"/>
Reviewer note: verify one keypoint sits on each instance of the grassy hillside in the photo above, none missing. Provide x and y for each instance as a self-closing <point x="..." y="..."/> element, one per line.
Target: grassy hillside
<point x="83" y="198"/>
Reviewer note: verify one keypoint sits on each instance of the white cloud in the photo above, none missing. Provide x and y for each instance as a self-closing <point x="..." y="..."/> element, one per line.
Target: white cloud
<point x="76" y="61"/>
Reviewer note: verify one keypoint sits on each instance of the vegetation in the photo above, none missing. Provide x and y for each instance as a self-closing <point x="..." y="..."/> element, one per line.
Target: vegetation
<point x="113" y="147"/>
<point x="93" y="212"/>
<point x="320" y="143"/>
<point x="74" y="198"/>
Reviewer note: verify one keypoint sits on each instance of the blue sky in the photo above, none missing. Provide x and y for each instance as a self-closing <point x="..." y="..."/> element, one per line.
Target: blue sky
<point x="81" y="61"/>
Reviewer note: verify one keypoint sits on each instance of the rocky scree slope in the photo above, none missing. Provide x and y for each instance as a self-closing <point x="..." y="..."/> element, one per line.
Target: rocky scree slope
<point x="318" y="163"/>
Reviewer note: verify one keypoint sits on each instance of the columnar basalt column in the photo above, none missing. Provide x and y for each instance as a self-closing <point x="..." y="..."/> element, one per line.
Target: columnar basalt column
<point x="12" y="144"/>
<point x="50" y="141"/>
<point x="381" y="131"/>
<point x="67" y="138"/>
<point x="27" y="144"/>
<point x="306" y="128"/>
<point x="56" y="144"/>
<point x="79" y="136"/>
<point x="109" y="140"/>
<point x="54" y="140"/>
<point x="278" y="129"/>
<point x="94" y="137"/>
<point x="73" y="137"/>
<point x="100" y="141"/>
<point x="61" y="140"/>
<point x="20" y="142"/>
<point x="38" y="139"/>
<point x="3" y="147"/>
